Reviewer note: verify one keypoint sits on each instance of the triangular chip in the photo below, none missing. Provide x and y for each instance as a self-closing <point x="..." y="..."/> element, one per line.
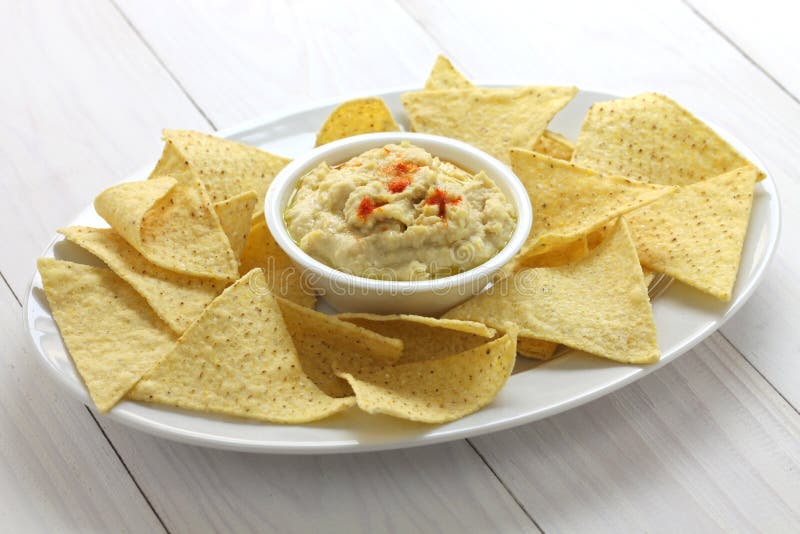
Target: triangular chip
<point x="424" y="338"/>
<point x="569" y="202"/>
<point x="554" y="145"/>
<point x="562" y="255"/>
<point x="238" y="359"/>
<point x="322" y="340"/>
<point x="650" y="138"/>
<point x="177" y="298"/>
<point x="355" y="117"/>
<point x="598" y="305"/>
<point x="112" y="334"/>
<point x="493" y="120"/>
<point x="445" y="76"/>
<point x="172" y="224"/>
<point x="226" y="168"/>
<point x="697" y="234"/>
<point x="439" y="390"/>
<point x="536" y="349"/>
<point x="235" y="215"/>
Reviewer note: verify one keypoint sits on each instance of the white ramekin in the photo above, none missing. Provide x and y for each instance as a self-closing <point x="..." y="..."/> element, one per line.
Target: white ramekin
<point x="347" y="292"/>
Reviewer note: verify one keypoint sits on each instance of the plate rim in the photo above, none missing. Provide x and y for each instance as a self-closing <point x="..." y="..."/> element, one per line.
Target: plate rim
<point x="187" y="436"/>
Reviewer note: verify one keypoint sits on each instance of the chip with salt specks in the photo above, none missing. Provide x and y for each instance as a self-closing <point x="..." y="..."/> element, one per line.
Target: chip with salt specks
<point x="438" y="390"/>
<point x="569" y="202"/>
<point x="177" y="298"/>
<point x="536" y="349"/>
<point x="111" y="333"/>
<point x="696" y="236"/>
<point x="651" y="138"/>
<point x="445" y="76"/>
<point x="238" y="359"/>
<point x="554" y="145"/>
<point x="283" y="277"/>
<point x="225" y="167"/>
<point x="599" y="305"/>
<point x="493" y="120"/>
<point x="355" y="117"/>
<point x="171" y="223"/>
<point x="322" y="340"/>
<point x="424" y="338"/>
<point x="235" y="215"/>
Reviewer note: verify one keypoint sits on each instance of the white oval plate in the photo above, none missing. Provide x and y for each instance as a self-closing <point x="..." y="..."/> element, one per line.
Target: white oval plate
<point x="683" y="316"/>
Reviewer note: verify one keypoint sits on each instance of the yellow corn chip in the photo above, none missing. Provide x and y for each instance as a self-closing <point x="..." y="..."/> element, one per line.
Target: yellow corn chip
<point x="536" y="349"/>
<point x="322" y="340"/>
<point x="226" y="168"/>
<point x="235" y="215"/>
<point x="355" y="117"/>
<point x="283" y="278"/>
<point x="598" y="305"/>
<point x="570" y="202"/>
<point x="696" y="236"/>
<point x="424" y="338"/>
<point x="439" y="390"/>
<point x="493" y="120"/>
<point x="171" y="223"/>
<point x="238" y="359"/>
<point x="564" y="254"/>
<point x="177" y="298"/>
<point x="112" y="334"/>
<point x="554" y="145"/>
<point x="651" y="138"/>
<point x="445" y="76"/>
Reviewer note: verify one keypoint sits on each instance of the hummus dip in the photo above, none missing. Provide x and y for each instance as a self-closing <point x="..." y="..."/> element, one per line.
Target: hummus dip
<point x="399" y="213"/>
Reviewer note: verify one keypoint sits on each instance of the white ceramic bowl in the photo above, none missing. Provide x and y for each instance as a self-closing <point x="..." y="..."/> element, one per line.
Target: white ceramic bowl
<point x="347" y="292"/>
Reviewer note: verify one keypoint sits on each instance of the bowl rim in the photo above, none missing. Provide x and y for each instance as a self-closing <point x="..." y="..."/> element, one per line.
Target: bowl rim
<point x="342" y="149"/>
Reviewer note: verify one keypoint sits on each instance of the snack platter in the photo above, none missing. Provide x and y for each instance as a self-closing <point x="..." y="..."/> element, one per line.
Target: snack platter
<point x="682" y="315"/>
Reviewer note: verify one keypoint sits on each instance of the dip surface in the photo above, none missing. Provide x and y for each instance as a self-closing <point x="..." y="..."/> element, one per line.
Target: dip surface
<point x="398" y="213"/>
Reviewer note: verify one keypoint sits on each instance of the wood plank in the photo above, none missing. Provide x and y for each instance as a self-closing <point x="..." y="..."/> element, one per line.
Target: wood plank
<point x="252" y="59"/>
<point x="83" y="106"/>
<point x="701" y="445"/>
<point x="441" y="488"/>
<point x="57" y="471"/>
<point x="765" y="31"/>
<point x="633" y="47"/>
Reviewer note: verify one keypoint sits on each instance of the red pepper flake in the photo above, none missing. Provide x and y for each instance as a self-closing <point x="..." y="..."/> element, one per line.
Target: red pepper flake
<point x="401" y="172"/>
<point x="398" y="185"/>
<point x="441" y="199"/>
<point x="367" y="206"/>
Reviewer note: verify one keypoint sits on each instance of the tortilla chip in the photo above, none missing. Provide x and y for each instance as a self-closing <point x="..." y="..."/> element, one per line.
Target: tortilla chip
<point x="651" y="138"/>
<point x="564" y="254"/>
<point x="176" y="298"/>
<point x="696" y="236"/>
<point x="598" y="305"/>
<point x="112" y="334"/>
<point x="424" y="338"/>
<point x="536" y="349"/>
<point x="171" y="223"/>
<point x="238" y="359"/>
<point x="283" y="277"/>
<point x="226" y="168"/>
<point x="570" y="202"/>
<point x="355" y="117"/>
<point x="322" y="340"/>
<point x="445" y="76"/>
<point x="235" y="215"/>
<point x="554" y="145"/>
<point x="493" y="120"/>
<point x="440" y="390"/>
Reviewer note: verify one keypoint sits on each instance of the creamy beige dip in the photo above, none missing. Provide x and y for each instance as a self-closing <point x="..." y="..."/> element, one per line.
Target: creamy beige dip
<point x="398" y="213"/>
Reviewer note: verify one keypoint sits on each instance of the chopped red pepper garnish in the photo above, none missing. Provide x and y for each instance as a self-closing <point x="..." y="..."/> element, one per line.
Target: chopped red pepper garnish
<point x="367" y="206"/>
<point x="441" y="199"/>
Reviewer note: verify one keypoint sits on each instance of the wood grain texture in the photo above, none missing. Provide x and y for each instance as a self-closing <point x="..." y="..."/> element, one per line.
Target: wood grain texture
<point x="83" y="103"/>
<point x="765" y="31"/>
<point x="57" y="471"/>
<point x="702" y="445"/>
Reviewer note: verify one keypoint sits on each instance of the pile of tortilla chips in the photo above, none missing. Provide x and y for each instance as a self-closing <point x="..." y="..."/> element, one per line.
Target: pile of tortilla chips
<point x="198" y="308"/>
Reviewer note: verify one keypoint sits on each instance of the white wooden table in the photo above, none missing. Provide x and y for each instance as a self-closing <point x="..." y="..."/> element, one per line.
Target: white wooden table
<point x="710" y="442"/>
